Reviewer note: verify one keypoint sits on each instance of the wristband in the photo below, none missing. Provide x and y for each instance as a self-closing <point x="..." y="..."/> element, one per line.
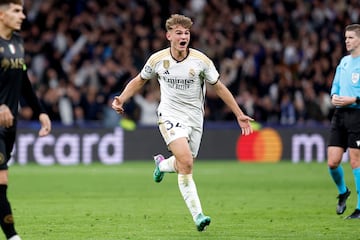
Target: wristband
<point x="357" y="101"/>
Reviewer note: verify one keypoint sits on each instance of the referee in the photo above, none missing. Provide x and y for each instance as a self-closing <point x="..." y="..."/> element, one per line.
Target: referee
<point x="345" y="124"/>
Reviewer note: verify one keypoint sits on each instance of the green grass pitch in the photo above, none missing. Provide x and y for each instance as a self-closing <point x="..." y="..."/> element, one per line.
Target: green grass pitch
<point x="245" y="201"/>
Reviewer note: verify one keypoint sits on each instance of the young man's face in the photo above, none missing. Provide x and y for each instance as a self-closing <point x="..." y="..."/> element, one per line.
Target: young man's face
<point x="352" y="41"/>
<point x="179" y="37"/>
<point x="12" y="16"/>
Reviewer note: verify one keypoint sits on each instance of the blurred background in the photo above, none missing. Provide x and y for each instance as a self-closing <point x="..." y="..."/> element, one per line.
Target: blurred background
<point x="277" y="57"/>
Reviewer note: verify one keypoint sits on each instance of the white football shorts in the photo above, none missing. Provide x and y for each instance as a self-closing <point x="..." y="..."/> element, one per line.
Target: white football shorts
<point x="172" y="129"/>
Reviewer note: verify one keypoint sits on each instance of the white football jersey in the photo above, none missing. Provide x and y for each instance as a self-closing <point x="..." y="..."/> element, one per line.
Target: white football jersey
<point x="182" y="84"/>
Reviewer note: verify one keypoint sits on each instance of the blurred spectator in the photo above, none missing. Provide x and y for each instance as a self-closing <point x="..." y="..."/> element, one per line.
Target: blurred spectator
<point x="287" y="110"/>
<point x="110" y="117"/>
<point x="277" y="57"/>
<point x="148" y="104"/>
<point x="266" y="111"/>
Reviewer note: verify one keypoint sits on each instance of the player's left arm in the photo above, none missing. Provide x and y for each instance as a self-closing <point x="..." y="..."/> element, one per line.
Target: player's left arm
<point x="30" y="97"/>
<point x="244" y="121"/>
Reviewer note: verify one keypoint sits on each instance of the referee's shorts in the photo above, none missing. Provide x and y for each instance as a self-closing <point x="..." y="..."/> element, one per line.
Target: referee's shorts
<point x="345" y="128"/>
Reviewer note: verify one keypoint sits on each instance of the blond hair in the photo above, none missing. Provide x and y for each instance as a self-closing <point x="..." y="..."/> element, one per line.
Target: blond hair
<point x="177" y="19"/>
<point x="353" y="28"/>
<point x="4" y="2"/>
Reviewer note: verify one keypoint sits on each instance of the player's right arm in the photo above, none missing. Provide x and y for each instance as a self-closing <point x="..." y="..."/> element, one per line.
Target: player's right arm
<point x="130" y="90"/>
<point x="335" y="87"/>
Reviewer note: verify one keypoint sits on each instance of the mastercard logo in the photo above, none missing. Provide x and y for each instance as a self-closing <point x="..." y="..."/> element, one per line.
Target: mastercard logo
<point x="264" y="145"/>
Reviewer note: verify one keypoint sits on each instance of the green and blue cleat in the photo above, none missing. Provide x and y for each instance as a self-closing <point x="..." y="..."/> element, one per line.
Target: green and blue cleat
<point x="158" y="175"/>
<point x="202" y="222"/>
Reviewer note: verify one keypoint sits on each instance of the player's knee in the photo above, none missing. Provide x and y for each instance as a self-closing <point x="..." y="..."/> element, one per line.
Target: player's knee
<point x="184" y="167"/>
<point x="354" y="163"/>
<point x="333" y="164"/>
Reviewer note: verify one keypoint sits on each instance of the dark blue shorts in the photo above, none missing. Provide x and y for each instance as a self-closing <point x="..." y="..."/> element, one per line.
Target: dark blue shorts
<point x="345" y="128"/>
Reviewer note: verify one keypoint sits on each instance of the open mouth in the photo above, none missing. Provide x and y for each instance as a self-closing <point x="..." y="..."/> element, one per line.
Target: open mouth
<point x="183" y="43"/>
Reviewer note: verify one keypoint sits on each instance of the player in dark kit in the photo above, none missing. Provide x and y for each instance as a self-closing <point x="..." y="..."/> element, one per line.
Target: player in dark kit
<point x="14" y="83"/>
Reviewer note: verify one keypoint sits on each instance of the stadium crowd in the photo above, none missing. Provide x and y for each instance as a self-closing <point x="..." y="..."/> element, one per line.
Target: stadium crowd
<point x="277" y="57"/>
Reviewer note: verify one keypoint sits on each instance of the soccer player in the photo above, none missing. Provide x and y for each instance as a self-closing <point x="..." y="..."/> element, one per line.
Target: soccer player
<point x="182" y="73"/>
<point x="14" y="83"/>
<point x="345" y="124"/>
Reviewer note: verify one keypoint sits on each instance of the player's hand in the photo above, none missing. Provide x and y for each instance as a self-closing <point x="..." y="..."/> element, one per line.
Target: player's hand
<point x="244" y="123"/>
<point x="341" y="101"/>
<point x="45" y="124"/>
<point x="6" y="117"/>
<point x="117" y="105"/>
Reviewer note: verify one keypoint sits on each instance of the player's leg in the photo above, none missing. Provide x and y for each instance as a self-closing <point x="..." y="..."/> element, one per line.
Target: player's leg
<point x="6" y="218"/>
<point x="338" y="142"/>
<point x="184" y="161"/>
<point x="184" y="143"/>
<point x="352" y="120"/>
<point x="168" y="165"/>
<point x="355" y="165"/>
<point x="170" y="130"/>
<point x="335" y="169"/>
<point x="337" y="173"/>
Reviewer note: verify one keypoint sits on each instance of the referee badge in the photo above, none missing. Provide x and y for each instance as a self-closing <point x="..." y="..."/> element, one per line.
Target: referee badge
<point x="166" y="64"/>
<point x="355" y="77"/>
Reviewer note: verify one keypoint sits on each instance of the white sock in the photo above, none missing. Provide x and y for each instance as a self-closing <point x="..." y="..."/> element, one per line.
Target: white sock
<point x="168" y="165"/>
<point x="15" y="237"/>
<point x="188" y="191"/>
